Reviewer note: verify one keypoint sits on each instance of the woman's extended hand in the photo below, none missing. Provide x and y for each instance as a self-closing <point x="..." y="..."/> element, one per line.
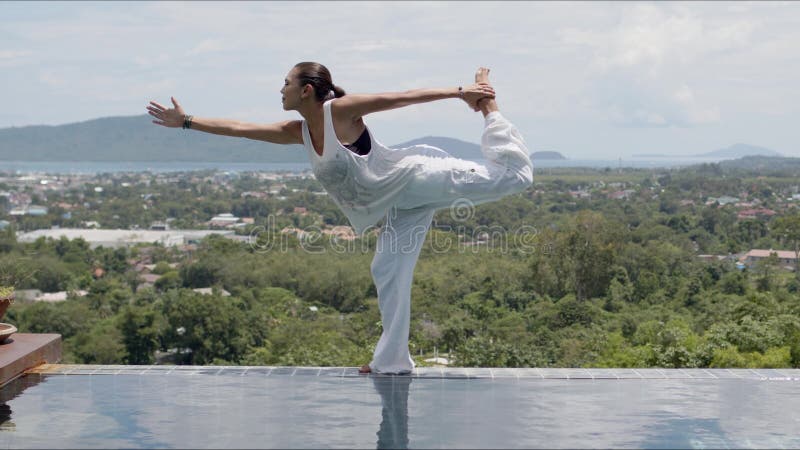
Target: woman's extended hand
<point x="170" y="118"/>
<point x="476" y="92"/>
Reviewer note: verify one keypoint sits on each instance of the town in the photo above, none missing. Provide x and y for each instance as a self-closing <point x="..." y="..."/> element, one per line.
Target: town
<point x="607" y="246"/>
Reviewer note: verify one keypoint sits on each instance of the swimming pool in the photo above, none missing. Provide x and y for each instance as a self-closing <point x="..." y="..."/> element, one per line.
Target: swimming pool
<point x="288" y="407"/>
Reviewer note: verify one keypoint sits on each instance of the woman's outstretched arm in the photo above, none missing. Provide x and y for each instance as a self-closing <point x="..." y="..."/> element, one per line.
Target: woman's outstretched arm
<point x="286" y="132"/>
<point x="359" y="105"/>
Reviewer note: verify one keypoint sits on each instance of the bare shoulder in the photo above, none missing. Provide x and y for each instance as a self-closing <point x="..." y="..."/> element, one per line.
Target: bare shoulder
<point x="293" y="128"/>
<point x="345" y="109"/>
<point x="355" y="106"/>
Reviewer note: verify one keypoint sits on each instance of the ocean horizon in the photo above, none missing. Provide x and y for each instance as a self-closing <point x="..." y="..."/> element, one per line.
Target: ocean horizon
<point x="96" y="167"/>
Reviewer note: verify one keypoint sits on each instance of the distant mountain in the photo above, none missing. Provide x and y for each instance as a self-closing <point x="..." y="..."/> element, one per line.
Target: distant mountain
<point x="740" y="150"/>
<point x="468" y="150"/>
<point x="734" y="151"/>
<point x="787" y="166"/>
<point x="655" y="155"/>
<point x="547" y="155"/>
<point x="135" y="138"/>
<point x="456" y="147"/>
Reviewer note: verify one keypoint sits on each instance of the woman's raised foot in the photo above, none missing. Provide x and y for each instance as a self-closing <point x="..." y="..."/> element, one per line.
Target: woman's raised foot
<point x="482" y="75"/>
<point x="485" y="104"/>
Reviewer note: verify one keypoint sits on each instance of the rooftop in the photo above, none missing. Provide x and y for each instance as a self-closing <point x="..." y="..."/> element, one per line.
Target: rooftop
<point x="111" y="238"/>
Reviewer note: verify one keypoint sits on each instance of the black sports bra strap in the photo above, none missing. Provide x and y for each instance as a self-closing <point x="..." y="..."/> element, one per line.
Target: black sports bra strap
<point x="362" y="145"/>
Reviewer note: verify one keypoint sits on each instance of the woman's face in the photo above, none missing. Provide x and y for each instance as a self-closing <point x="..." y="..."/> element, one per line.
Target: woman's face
<point x="291" y="91"/>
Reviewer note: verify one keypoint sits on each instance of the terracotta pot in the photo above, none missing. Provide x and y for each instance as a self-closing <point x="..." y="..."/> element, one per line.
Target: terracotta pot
<point x="6" y="330"/>
<point x="5" y="302"/>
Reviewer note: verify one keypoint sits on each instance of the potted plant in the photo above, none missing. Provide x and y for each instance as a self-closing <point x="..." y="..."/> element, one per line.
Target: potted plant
<point x="12" y="272"/>
<point x="6" y="299"/>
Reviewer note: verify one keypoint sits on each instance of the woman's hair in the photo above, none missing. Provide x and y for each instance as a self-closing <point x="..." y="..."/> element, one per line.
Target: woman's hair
<point x="319" y="77"/>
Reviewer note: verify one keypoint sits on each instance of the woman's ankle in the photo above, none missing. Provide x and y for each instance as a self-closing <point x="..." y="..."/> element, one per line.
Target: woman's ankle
<point x="487" y="105"/>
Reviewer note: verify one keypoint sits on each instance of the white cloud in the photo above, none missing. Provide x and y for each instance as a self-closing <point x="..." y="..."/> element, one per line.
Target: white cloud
<point x="51" y="79"/>
<point x="148" y="61"/>
<point x="209" y="46"/>
<point x="652" y="37"/>
<point x="13" y="54"/>
<point x="14" y="58"/>
<point x="608" y="66"/>
<point x="643" y="68"/>
<point x="649" y="102"/>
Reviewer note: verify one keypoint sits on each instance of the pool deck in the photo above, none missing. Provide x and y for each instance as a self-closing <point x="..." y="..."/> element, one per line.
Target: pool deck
<point x="23" y="351"/>
<point x="426" y="372"/>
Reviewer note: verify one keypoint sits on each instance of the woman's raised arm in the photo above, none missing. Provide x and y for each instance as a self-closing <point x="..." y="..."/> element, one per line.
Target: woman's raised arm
<point x="359" y="105"/>
<point x="286" y="132"/>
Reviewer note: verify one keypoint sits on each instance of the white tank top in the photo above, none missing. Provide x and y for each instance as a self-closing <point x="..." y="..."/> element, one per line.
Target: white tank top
<point x="366" y="187"/>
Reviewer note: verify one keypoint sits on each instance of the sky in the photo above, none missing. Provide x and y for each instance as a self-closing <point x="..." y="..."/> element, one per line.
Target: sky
<point x="592" y="80"/>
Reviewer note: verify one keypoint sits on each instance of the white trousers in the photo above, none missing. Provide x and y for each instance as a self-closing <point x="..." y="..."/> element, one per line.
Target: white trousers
<point x="449" y="182"/>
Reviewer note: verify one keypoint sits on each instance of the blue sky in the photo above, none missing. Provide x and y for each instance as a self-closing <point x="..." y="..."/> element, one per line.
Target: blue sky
<point x="588" y="79"/>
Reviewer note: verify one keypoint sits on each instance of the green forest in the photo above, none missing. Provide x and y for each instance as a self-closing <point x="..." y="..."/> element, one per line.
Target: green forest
<point x="587" y="268"/>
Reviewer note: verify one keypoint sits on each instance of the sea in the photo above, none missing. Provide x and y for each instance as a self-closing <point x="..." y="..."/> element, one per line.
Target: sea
<point x="98" y="167"/>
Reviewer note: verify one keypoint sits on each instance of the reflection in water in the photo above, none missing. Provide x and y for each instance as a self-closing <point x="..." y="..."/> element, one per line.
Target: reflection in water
<point x="5" y="418"/>
<point x="11" y="391"/>
<point x="252" y="410"/>
<point x="394" y="401"/>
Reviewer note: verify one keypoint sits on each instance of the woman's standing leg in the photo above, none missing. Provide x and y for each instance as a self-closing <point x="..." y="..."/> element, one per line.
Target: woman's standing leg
<point x="398" y="248"/>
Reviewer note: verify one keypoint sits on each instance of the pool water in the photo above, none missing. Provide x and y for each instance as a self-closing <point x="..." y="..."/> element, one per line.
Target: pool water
<point x="213" y="408"/>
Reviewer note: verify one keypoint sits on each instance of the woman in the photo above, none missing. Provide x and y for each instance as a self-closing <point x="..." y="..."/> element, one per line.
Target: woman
<point x="369" y="181"/>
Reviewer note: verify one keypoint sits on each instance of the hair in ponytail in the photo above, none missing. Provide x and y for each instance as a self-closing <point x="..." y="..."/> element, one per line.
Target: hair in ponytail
<point x="319" y="77"/>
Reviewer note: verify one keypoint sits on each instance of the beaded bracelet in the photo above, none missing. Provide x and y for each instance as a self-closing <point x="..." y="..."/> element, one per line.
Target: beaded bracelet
<point x="461" y="92"/>
<point x="187" y="122"/>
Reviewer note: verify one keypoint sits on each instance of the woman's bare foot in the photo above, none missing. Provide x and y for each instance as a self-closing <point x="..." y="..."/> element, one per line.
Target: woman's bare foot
<point x="365" y="369"/>
<point x="486" y="104"/>
<point x="480" y="90"/>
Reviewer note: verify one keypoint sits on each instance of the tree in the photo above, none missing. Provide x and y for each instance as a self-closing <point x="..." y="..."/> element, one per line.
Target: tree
<point x="210" y="326"/>
<point x="482" y="351"/>
<point x="102" y="344"/>
<point x="734" y="282"/>
<point x="787" y="229"/>
<point x="765" y="269"/>
<point x="140" y="332"/>
<point x="169" y="280"/>
<point x="8" y="239"/>
<point x="589" y="247"/>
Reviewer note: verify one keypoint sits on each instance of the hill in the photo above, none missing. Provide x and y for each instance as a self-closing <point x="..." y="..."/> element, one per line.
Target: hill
<point x="456" y="147"/>
<point x="763" y="165"/>
<point x="739" y="151"/>
<point x="135" y="138"/>
<point x="547" y="155"/>
<point x="734" y="151"/>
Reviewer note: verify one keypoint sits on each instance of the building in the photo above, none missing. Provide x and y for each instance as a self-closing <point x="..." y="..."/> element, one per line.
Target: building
<point x="210" y="291"/>
<point x="223" y="220"/>
<point x="343" y="232"/>
<point x="35" y="295"/>
<point x="710" y="258"/>
<point x="622" y="195"/>
<point x="786" y="258"/>
<point x="122" y="238"/>
<point x="722" y="201"/>
<point x="159" y="225"/>
<point x="758" y="213"/>
<point x="580" y="194"/>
